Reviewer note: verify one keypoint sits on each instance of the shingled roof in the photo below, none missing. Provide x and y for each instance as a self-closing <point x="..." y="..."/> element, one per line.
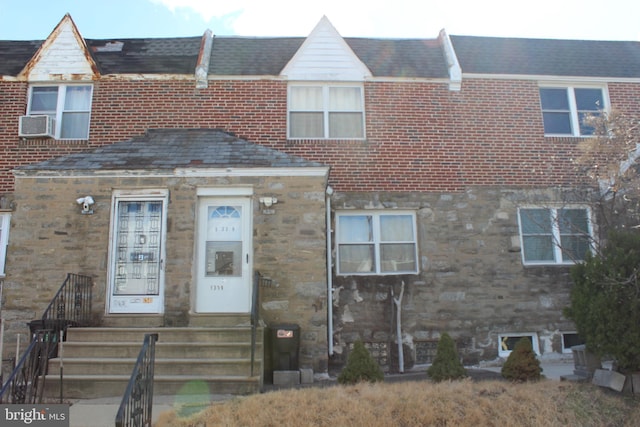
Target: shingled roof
<point x="547" y="57"/>
<point x="413" y="58"/>
<point x="168" y="149"/>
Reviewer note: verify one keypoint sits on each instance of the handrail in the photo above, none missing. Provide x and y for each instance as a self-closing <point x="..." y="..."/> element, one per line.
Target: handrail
<point x="71" y="305"/>
<point x="137" y="402"/>
<point x="26" y="382"/>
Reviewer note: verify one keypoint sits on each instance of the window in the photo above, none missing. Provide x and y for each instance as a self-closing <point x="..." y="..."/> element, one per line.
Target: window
<point x="564" y="109"/>
<point x="68" y="105"/>
<point x="554" y="236"/>
<point x="4" y="239"/>
<point x="570" y="339"/>
<point x="376" y="243"/>
<point x="328" y="112"/>
<point x="507" y="342"/>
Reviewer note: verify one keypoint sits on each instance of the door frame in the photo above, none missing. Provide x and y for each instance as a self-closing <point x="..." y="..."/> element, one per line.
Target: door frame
<point x="138" y="304"/>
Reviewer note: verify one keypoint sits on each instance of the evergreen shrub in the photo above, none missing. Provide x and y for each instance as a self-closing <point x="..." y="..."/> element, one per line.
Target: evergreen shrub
<point x="522" y="364"/>
<point x="360" y="367"/>
<point x="446" y="365"/>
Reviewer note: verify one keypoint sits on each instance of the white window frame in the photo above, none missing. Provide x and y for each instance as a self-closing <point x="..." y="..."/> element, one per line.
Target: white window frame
<point x="565" y="349"/>
<point x="5" y="220"/>
<point x="573" y="109"/>
<point x="59" y="111"/>
<point x="555" y="233"/>
<point x="502" y="352"/>
<point x="326" y="110"/>
<point x="376" y="241"/>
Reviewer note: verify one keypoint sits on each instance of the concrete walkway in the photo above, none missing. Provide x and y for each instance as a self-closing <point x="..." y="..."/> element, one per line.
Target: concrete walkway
<point x="102" y="412"/>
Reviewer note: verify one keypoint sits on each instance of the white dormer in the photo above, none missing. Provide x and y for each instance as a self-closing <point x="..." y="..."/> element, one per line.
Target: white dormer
<point x="63" y="56"/>
<point x="325" y="56"/>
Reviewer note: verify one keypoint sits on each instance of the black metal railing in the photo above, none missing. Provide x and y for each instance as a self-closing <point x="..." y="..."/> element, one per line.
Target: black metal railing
<point x="71" y="306"/>
<point x="137" y="402"/>
<point x="26" y="382"/>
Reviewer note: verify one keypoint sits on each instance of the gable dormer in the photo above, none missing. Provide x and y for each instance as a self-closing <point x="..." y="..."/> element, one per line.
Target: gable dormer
<point x="63" y="56"/>
<point x="325" y="56"/>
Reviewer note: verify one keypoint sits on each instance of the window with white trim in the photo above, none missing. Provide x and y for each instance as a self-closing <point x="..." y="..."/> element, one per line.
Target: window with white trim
<point x="376" y="242"/>
<point x="507" y="342"/>
<point x="325" y="112"/>
<point x="68" y="105"/>
<point x="564" y="109"/>
<point x="554" y="235"/>
<point x="4" y="239"/>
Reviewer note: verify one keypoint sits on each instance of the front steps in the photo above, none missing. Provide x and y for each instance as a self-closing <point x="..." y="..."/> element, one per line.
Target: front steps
<point x="97" y="362"/>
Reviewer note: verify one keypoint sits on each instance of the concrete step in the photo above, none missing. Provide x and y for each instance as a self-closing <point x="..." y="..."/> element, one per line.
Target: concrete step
<point x="237" y="334"/>
<point x="163" y="349"/>
<point x="124" y="366"/>
<point x="99" y="386"/>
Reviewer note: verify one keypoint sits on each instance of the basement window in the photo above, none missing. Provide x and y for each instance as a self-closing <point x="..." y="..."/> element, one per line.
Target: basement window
<point x="569" y="339"/>
<point x="507" y="342"/>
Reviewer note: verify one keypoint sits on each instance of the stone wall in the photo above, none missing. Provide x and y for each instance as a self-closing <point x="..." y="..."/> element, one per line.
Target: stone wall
<point x="472" y="282"/>
<point x="50" y="237"/>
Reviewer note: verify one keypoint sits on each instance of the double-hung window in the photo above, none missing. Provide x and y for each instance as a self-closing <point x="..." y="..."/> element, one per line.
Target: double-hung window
<point x="564" y="109"/>
<point x="4" y="239"/>
<point x="68" y="105"/>
<point x="326" y="112"/>
<point x="554" y="235"/>
<point x="376" y="242"/>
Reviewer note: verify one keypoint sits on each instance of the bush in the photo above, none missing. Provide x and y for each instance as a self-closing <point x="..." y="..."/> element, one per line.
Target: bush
<point x="360" y="367"/>
<point x="605" y="301"/>
<point x="446" y="365"/>
<point x="522" y="364"/>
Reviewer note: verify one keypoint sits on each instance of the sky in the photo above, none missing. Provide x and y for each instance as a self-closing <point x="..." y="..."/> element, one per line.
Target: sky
<point x="556" y="19"/>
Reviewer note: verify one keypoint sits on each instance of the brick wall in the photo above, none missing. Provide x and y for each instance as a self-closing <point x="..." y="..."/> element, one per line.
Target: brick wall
<point x="420" y="136"/>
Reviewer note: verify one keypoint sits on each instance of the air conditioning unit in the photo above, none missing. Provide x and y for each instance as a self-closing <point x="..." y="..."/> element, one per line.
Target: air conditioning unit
<point x="37" y="126"/>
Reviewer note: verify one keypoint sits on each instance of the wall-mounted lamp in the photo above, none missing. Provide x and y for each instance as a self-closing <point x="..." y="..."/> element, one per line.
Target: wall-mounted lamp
<point x="268" y="201"/>
<point x="86" y="203"/>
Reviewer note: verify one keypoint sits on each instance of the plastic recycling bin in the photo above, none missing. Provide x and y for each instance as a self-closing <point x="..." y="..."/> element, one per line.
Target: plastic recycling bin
<point x="285" y="347"/>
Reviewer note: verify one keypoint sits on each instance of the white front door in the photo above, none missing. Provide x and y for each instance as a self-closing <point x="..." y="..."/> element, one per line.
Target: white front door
<point x="223" y="253"/>
<point x="136" y="279"/>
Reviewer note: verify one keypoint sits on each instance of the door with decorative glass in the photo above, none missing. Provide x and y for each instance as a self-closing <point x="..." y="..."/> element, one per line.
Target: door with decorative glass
<point x="223" y="253"/>
<point x="137" y="255"/>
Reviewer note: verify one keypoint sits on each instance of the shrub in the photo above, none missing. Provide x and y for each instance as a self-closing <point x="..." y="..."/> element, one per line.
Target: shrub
<point x="605" y="302"/>
<point x="522" y="364"/>
<point x="360" y="367"/>
<point x="446" y="365"/>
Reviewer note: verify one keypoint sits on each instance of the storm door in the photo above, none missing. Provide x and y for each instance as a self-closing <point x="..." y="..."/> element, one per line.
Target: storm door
<point x="137" y="255"/>
<point x="224" y="248"/>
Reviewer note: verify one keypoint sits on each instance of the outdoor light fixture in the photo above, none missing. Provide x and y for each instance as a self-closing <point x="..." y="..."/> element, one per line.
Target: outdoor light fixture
<point x="86" y="202"/>
<point x="268" y="201"/>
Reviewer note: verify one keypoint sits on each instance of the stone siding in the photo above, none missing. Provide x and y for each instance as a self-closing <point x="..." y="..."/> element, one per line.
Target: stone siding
<point x="472" y="282"/>
<point x="50" y="238"/>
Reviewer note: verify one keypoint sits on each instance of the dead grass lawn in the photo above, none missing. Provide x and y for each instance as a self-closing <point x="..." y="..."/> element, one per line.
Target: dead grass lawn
<point x="461" y="403"/>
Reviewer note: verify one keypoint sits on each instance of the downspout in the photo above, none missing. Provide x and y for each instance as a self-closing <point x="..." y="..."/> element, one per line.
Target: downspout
<point x="329" y="192"/>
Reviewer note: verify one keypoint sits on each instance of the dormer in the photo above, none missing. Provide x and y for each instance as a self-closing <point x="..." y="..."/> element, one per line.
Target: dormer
<point x="60" y="76"/>
<point x="63" y="56"/>
<point x="325" y="56"/>
<point x="326" y="88"/>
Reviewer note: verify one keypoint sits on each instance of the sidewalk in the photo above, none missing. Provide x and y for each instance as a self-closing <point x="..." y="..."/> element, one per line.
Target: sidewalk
<point x="102" y="412"/>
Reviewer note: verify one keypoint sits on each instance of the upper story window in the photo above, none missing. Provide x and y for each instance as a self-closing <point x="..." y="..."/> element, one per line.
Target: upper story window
<point x="326" y="112"/>
<point x="564" y="109"/>
<point x="68" y="105"/>
<point x="4" y="239"/>
<point x="554" y="235"/>
<point x="377" y="242"/>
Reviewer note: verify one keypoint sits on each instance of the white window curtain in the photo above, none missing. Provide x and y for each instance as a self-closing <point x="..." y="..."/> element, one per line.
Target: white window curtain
<point x="345" y="112"/>
<point x="306" y="118"/>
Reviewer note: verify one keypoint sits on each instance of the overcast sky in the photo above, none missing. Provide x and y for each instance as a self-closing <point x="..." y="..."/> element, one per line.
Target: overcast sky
<point x="571" y="19"/>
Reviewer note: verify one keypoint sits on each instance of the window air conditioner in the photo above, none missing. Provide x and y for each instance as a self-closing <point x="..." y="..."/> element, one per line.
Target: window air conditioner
<point x="36" y="126"/>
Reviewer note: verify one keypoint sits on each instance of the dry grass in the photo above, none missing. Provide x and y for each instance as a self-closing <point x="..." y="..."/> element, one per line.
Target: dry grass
<point x="461" y="403"/>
